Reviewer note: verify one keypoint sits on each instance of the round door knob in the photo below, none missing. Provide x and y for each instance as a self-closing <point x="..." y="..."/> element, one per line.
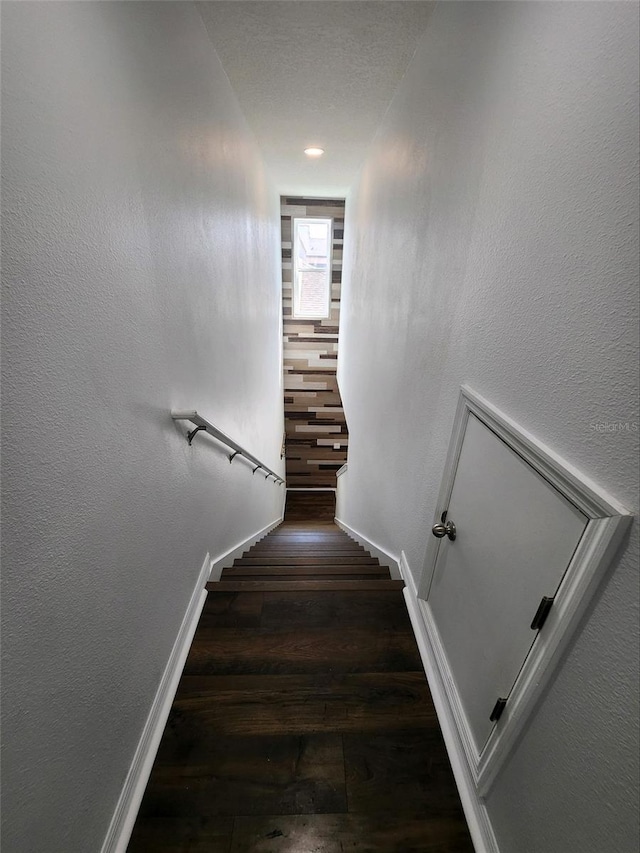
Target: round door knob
<point x="442" y="530"/>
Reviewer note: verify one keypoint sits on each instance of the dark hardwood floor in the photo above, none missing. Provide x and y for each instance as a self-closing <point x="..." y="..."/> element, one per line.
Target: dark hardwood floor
<point x="303" y="721"/>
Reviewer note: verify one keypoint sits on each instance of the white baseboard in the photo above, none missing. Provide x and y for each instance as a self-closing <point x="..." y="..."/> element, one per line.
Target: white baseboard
<point x="126" y="811"/>
<point x="407" y="577"/>
<point x="225" y="561"/>
<point x="475" y="811"/>
<point x="384" y="558"/>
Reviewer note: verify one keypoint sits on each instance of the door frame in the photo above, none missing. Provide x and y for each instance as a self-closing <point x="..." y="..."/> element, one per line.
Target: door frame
<point x="607" y="524"/>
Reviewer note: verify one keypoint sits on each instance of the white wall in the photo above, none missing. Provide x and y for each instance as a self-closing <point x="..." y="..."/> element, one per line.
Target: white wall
<point x="493" y="238"/>
<point x="141" y="267"/>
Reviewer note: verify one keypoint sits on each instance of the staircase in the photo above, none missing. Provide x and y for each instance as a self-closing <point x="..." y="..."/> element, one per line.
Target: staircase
<point x="303" y="721"/>
<point x="308" y="555"/>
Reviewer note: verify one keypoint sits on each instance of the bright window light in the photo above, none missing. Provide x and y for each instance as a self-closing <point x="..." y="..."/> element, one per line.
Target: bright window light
<point x="311" y="262"/>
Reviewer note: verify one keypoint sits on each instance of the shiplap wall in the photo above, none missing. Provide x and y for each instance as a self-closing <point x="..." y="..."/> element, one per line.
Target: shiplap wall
<point x="316" y="431"/>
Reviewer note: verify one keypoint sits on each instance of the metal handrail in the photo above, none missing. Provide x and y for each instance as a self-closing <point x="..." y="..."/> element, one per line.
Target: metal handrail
<point x="202" y="424"/>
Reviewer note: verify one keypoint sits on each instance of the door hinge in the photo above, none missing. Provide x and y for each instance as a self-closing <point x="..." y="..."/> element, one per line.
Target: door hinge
<point x="542" y="612"/>
<point x="498" y="708"/>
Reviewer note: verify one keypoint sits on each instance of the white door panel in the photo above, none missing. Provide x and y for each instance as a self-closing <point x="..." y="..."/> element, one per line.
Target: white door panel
<point x="515" y="536"/>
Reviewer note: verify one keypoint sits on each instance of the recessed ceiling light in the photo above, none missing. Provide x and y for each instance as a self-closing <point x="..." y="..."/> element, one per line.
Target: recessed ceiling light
<point x="314" y="152"/>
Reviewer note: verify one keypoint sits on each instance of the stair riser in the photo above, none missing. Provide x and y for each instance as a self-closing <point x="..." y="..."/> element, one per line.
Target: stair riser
<point x="344" y="546"/>
<point x="324" y="540"/>
<point x="280" y="578"/>
<point x="306" y="561"/>
<point x="315" y="571"/>
<point x="325" y="528"/>
<point x="311" y="545"/>
<point x="320" y="585"/>
<point x="327" y="565"/>
<point x="288" y="558"/>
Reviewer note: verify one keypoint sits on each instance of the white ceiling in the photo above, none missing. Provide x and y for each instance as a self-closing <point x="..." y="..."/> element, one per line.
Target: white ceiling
<point x="315" y="72"/>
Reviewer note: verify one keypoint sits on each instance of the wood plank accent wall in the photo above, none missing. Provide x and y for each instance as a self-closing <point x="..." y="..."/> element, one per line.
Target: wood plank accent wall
<point x="316" y="431"/>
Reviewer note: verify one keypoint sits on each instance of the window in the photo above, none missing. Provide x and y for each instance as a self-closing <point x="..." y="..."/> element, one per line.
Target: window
<point x="311" y="263"/>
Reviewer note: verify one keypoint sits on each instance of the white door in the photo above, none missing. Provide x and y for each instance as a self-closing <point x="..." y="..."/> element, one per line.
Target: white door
<point x="515" y="535"/>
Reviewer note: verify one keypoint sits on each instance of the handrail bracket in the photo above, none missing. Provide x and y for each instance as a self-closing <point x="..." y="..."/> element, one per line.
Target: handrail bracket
<point x="193" y="432"/>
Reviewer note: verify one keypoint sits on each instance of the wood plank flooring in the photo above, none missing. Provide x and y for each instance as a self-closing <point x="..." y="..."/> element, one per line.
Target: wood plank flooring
<point x="303" y="721"/>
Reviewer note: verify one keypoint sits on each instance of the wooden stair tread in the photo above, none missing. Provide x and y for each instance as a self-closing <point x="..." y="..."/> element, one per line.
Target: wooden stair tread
<point x="309" y="528"/>
<point x="325" y="533"/>
<point x="310" y="571"/>
<point x="324" y="560"/>
<point x="310" y="537"/>
<point x="350" y="577"/>
<point x="303" y="554"/>
<point x="308" y="543"/>
<point x="307" y="551"/>
<point x="306" y="546"/>
<point x="302" y="551"/>
<point x="237" y="574"/>
<point x="288" y="558"/>
<point x="302" y="529"/>
<point x="266" y="585"/>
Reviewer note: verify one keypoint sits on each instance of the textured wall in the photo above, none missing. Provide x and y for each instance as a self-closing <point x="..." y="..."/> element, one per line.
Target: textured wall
<point x="141" y="272"/>
<point x="493" y="238"/>
<point x="316" y="430"/>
